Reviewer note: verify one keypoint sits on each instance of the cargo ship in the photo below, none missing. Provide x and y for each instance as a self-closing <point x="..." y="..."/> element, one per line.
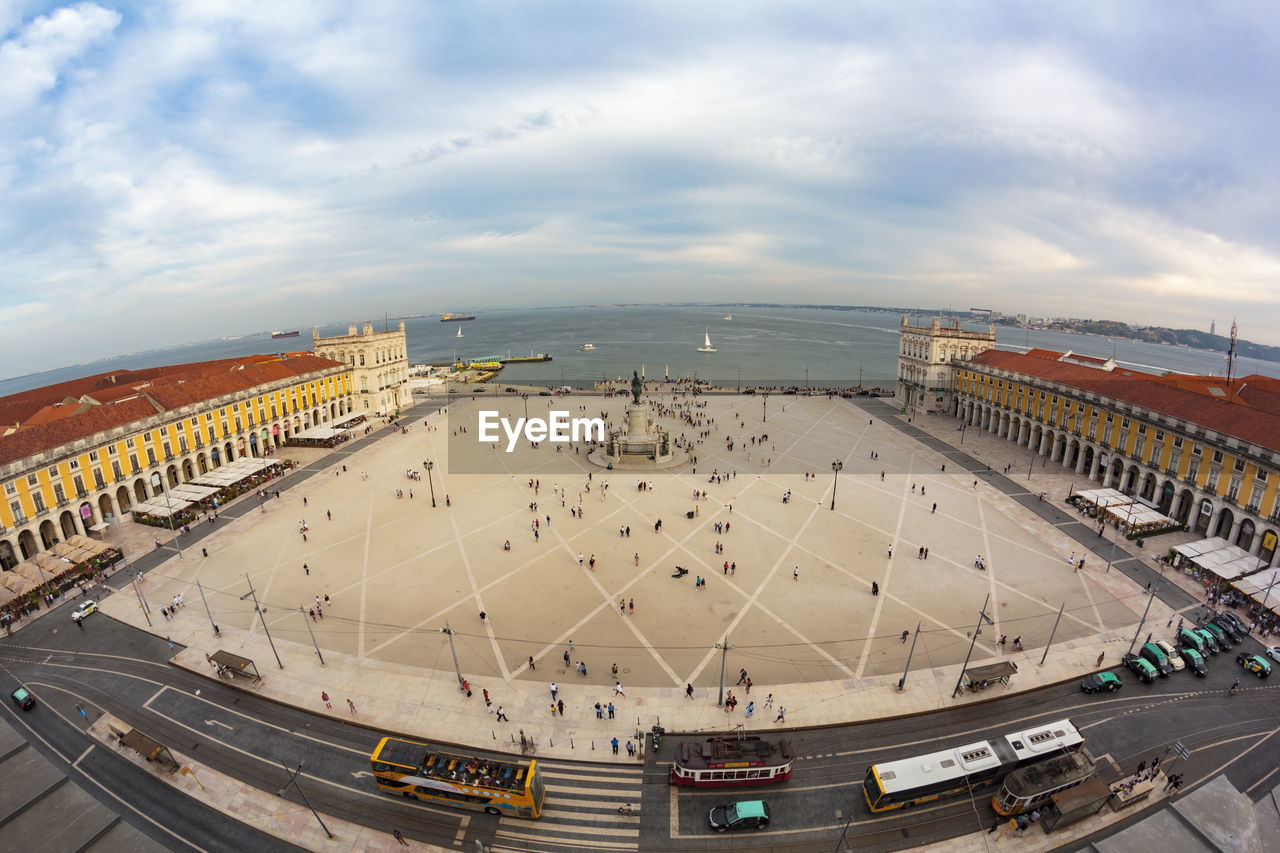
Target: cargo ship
<point x="292" y="333"/>
<point x="456" y="318"/>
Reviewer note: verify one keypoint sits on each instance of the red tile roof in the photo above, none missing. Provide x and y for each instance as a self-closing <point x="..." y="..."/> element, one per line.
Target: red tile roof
<point x="44" y="418"/>
<point x="1249" y="410"/>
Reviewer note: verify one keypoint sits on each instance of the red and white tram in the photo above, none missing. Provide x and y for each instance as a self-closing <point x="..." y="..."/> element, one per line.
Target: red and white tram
<point x="731" y="761"/>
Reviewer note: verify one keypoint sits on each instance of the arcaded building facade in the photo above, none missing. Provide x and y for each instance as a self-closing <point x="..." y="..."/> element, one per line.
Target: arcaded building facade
<point x="81" y="453"/>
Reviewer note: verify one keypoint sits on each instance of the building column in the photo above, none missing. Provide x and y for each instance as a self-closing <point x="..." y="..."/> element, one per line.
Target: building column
<point x="1235" y="530"/>
<point x="1080" y="457"/>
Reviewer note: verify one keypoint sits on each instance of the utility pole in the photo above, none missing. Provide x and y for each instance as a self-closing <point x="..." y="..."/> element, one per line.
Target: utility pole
<point x="293" y="780"/>
<point x="303" y="611"/>
<point x="457" y="669"/>
<point x="429" y="465"/>
<point x="724" y="652"/>
<point x="216" y="632"/>
<point x="836" y="467"/>
<point x="1052" y="634"/>
<point x="982" y="617"/>
<point x="903" y="680"/>
<point x="254" y="595"/>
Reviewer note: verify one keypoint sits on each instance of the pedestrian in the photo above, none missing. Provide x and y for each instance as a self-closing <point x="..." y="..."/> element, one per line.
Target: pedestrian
<point x="631" y="606"/>
<point x="890" y="550"/>
<point x="329" y="514"/>
<point x="614" y="744"/>
<point x="1101" y="655"/>
<point x="305" y="569"/>
<point x="324" y="697"/>
<point x="742" y="675"/>
<point x="688" y="690"/>
<point x="485" y="693"/>
<point x="631" y="749"/>
<point x="782" y="714"/>
<point x="875" y="588"/>
<point x="531" y="666"/>
<point x="768" y="702"/>
<point x="351" y="706"/>
<point x="502" y="717"/>
<point x="795" y="575"/>
<point x="599" y="711"/>
<point x="637" y="558"/>
<point x="748" y="685"/>
<point x="617" y="689"/>
<point x="566" y="657"/>
<point x="554" y="688"/>
<point x="935" y="509"/>
<point x="399" y="836"/>
<point x="905" y="634"/>
<point x="559" y="705"/>
<point x="611" y="714"/>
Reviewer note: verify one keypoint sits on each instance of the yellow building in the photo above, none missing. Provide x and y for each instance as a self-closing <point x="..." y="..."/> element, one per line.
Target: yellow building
<point x="80" y="453"/>
<point x="1199" y="450"/>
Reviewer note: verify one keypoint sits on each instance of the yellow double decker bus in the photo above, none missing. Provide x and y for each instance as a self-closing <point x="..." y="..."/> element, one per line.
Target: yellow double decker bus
<point x="419" y="771"/>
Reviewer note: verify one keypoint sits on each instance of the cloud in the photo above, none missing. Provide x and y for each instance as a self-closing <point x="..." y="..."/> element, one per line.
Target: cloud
<point x="33" y="60"/>
<point x="219" y="166"/>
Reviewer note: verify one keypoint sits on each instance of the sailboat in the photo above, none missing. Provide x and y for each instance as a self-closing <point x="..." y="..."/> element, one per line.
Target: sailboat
<point x="728" y="316"/>
<point x="706" y="344"/>
<point x="459" y="332"/>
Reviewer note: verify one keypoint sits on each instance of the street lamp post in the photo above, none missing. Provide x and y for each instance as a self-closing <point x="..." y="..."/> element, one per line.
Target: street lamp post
<point x="429" y="465"/>
<point x="252" y="593"/>
<point x="158" y="483"/>
<point x="835" y="468"/>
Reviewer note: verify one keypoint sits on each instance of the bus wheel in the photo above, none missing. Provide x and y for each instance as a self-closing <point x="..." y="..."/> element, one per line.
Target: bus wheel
<point x="493" y="810"/>
<point x="410" y="795"/>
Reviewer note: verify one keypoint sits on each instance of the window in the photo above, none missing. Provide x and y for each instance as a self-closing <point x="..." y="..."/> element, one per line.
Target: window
<point x="151" y="455"/>
<point x="38" y="500"/>
<point x="93" y="456"/>
<point x="79" y="481"/>
<point x="1196" y="450"/>
<point x="1159" y="435"/>
<point x="1261" y="474"/>
<point x="1233" y="490"/>
<point x="58" y="494"/>
<point x="10" y="488"/>
<point x="1239" y="466"/>
<point x="1193" y="471"/>
<point x="1137" y="447"/>
<point x="168" y="451"/>
<point x="32" y="480"/>
<point x="16" y="508"/>
<point x="133" y="462"/>
<point x="97" y="479"/>
<point x="362" y="359"/>
<point x="1177" y="441"/>
<point x="74" y="464"/>
<point x="1124" y="423"/>
<point x="1142" y="429"/>
<point x="182" y="444"/>
<point x="1217" y="457"/>
<point x="53" y="472"/>
<point x="112" y="450"/>
<point x="115" y="469"/>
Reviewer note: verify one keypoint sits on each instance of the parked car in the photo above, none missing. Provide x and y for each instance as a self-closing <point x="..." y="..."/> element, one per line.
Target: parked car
<point x="1189" y="639"/>
<point x="1171" y="653"/>
<point x="1256" y="664"/>
<point x="1224" y="641"/>
<point x="544" y="393"/>
<point x="1099" y="681"/>
<point x="1138" y="666"/>
<point x="1195" y="662"/>
<point x="511" y="390"/>
<point x="23" y="699"/>
<point x="748" y="814"/>
<point x="1274" y="652"/>
<point x="1241" y="628"/>
<point x="1234" y="635"/>
<point x="1154" y="656"/>
<point x="1210" y="642"/>
<point x="85" y="608"/>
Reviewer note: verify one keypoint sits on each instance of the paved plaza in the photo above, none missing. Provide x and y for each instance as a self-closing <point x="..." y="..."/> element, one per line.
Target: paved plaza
<point x="396" y="570"/>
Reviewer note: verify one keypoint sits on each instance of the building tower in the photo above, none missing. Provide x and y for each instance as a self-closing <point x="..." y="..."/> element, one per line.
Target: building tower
<point x="925" y="355"/>
<point x="379" y="365"/>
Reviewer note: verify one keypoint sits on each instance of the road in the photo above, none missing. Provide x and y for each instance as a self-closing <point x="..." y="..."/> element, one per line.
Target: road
<point x="113" y="668"/>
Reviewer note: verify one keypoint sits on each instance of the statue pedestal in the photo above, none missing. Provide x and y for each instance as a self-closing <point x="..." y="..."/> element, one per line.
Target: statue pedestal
<point x="638" y="445"/>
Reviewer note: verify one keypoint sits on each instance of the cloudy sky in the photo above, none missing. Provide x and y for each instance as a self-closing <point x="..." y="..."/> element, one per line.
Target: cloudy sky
<point x="179" y="171"/>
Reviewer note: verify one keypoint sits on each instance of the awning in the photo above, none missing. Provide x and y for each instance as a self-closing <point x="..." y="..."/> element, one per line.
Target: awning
<point x="235" y="664"/>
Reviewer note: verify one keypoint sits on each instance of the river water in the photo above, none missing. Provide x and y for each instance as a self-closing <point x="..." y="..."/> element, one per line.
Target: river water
<point x="758" y="346"/>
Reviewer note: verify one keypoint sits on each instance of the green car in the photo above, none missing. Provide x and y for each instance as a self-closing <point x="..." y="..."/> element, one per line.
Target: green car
<point x="1195" y="662"/>
<point x="1189" y="639"/>
<point x="748" y="814"/>
<point x="23" y="699"/>
<point x="1256" y="664"/>
<point x="1099" y="681"/>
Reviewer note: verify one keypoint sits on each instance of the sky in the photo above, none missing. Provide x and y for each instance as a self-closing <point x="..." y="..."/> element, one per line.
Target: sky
<point x="180" y="171"/>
